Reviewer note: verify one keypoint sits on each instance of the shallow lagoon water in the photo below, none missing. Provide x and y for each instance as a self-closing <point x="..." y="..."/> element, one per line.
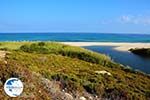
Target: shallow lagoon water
<point x="125" y="58"/>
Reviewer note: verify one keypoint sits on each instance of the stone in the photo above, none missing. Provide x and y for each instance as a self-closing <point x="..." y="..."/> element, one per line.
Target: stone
<point x="103" y="72"/>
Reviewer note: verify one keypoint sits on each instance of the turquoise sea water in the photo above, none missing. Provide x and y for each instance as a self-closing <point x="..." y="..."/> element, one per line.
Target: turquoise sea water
<point x="73" y="37"/>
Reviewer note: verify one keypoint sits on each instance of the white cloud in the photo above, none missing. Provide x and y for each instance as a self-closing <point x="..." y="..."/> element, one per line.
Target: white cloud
<point x="135" y="19"/>
<point x="126" y="19"/>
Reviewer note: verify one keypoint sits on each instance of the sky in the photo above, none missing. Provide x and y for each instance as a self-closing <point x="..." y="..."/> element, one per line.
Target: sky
<point x="100" y="16"/>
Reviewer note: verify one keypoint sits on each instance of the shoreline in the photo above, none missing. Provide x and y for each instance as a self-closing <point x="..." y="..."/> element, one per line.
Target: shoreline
<point x="120" y="46"/>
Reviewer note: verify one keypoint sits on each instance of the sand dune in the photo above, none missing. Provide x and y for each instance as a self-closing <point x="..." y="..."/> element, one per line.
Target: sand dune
<point x="117" y="46"/>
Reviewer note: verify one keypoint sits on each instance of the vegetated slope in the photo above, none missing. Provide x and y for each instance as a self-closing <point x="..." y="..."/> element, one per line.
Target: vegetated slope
<point x="145" y="52"/>
<point x="58" y="76"/>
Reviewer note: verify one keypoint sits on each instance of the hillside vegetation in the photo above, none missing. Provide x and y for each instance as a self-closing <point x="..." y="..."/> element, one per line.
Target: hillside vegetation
<point x="53" y="71"/>
<point x="145" y="52"/>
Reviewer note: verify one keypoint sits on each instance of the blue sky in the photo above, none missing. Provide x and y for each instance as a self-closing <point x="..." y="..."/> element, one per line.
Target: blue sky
<point x="111" y="16"/>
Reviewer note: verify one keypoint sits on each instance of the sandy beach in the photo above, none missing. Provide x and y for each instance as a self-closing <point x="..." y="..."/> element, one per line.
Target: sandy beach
<point x="117" y="46"/>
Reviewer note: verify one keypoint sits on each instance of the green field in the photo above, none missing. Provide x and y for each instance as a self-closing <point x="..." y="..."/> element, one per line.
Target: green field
<point x="52" y="71"/>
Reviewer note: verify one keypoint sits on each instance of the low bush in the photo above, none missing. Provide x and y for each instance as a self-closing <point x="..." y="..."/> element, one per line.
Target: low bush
<point x="64" y="50"/>
<point x="141" y="51"/>
<point x="4" y="49"/>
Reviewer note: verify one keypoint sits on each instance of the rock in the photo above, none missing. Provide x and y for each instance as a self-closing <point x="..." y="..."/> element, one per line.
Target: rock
<point x="82" y="98"/>
<point x="5" y="62"/>
<point x="39" y="91"/>
<point x="103" y="72"/>
<point x="68" y="96"/>
<point x="90" y="98"/>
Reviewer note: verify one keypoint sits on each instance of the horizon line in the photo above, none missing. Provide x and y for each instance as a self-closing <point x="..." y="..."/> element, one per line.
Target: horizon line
<point x="78" y="32"/>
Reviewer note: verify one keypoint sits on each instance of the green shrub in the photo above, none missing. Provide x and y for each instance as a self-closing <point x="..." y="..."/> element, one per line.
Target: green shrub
<point x="25" y="48"/>
<point x="5" y="49"/>
<point x="89" y="87"/>
<point x="35" y="48"/>
<point x="141" y="51"/>
<point x="64" y="50"/>
<point x="128" y="69"/>
<point x="62" y="77"/>
<point x="41" y="43"/>
<point x="147" y="93"/>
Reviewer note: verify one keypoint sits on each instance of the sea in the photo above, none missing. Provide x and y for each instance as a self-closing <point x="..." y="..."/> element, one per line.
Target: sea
<point x="75" y="37"/>
<point x="126" y="58"/>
